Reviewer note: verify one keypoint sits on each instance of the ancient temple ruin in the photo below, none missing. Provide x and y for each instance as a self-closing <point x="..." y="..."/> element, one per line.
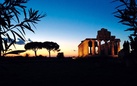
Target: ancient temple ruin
<point x="103" y="44"/>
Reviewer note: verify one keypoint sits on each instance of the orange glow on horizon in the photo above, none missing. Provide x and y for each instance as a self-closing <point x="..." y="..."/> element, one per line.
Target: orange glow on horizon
<point x="42" y="52"/>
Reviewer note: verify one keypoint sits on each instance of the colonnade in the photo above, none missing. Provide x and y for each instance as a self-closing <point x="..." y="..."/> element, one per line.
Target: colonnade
<point x="88" y="46"/>
<point x="92" y="46"/>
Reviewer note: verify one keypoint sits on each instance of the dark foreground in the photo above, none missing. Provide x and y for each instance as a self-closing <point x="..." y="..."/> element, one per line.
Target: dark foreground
<point x="67" y="72"/>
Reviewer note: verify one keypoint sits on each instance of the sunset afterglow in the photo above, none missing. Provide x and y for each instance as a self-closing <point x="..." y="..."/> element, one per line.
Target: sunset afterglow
<point x="68" y="22"/>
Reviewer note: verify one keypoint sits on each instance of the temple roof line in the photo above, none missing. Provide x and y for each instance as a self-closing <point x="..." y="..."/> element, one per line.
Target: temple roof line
<point x="94" y="46"/>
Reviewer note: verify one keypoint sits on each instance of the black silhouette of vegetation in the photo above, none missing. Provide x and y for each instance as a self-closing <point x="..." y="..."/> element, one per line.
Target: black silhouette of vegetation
<point x="127" y="13"/>
<point x="51" y="46"/>
<point x="33" y="46"/>
<point x="15" y="52"/>
<point x="125" y="51"/>
<point x="11" y="23"/>
<point x="39" y="45"/>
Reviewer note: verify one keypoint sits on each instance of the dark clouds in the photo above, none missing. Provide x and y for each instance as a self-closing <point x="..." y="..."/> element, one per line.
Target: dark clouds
<point x="19" y="41"/>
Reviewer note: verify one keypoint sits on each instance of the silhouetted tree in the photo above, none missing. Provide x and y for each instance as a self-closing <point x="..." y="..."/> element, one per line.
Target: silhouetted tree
<point x="33" y="46"/>
<point x="51" y="46"/>
<point x="12" y="25"/>
<point x="127" y="13"/>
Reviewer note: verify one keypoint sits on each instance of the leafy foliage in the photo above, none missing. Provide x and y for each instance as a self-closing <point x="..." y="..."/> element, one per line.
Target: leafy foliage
<point x="11" y="22"/>
<point x="16" y="52"/>
<point x="33" y="46"/>
<point x="51" y="46"/>
<point x="127" y="13"/>
<point x="39" y="45"/>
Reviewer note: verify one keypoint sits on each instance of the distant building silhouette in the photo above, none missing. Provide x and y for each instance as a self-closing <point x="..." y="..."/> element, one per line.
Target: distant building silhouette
<point x="60" y="55"/>
<point x="94" y="46"/>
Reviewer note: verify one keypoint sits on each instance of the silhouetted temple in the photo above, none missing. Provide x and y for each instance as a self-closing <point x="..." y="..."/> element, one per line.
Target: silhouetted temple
<point x="94" y="46"/>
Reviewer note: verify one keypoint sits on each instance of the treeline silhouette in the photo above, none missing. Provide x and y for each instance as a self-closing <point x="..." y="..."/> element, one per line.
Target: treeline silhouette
<point x="48" y="45"/>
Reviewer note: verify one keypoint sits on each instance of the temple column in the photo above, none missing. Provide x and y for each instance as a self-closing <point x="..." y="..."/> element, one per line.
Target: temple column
<point x="118" y="46"/>
<point x="106" y="48"/>
<point x="112" y="48"/>
<point x="86" y="50"/>
<point x="93" y="47"/>
<point x="79" y="49"/>
<point x="99" y="47"/>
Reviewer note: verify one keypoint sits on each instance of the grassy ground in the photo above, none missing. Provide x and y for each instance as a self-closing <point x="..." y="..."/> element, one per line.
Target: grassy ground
<point x="67" y="72"/>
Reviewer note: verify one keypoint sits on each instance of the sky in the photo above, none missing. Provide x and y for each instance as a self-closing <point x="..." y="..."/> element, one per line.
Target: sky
<point x="68" y="22"/>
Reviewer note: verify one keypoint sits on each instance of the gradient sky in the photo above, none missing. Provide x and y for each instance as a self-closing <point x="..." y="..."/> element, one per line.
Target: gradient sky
<point x="68" y="22"/>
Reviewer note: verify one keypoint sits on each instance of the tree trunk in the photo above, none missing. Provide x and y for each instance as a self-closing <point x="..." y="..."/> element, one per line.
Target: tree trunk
<point x="35" y="53"/>
<point x="49" y="53"/>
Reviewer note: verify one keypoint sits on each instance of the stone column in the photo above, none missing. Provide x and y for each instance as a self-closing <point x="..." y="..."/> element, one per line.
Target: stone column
<point x="86" y="50"/>
<point x="118" y="46"/>
<point x="93" y="47"/>
<point x="106" y="48"/>
<point x="99" y="47"/>
<point x="112" y="47"/>
<point x="80" y="50"/>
